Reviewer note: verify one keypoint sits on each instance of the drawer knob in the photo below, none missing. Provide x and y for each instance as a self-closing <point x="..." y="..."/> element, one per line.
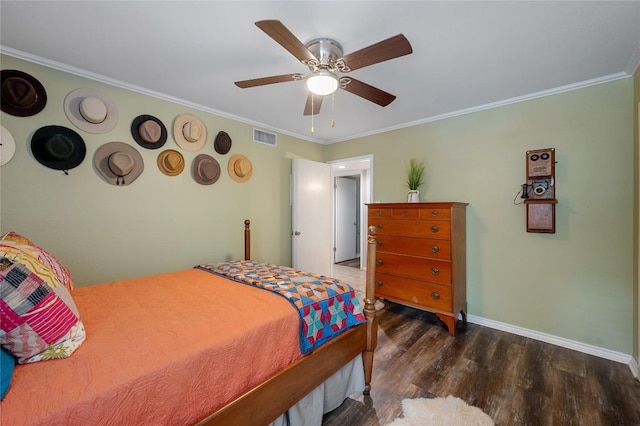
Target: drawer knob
<point x="435" y="271"/>
<point x="379" y="283"/>
<point x="378" y="243"/>
<point x="404" y="213"/>
<point x="435" y="249"/>
<point x="379" y="212"/>
<point x="379" y="226"/>
<point x="435" y="295"/>
<point x="434" y="228"/>
<point x="379" y="262"/>
<point x="435" y="213"/>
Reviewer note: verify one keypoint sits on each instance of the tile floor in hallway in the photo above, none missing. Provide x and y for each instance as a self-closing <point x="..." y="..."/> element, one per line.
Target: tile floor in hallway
<point x="354" y="276"/>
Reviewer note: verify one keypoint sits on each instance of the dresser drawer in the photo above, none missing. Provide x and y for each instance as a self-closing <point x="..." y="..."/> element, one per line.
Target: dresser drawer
<point x="418" y="293"/>
<point x="423" y="247"/>
<point x="435" y="214"/>
<point x="402" y="213"/>
<point x="375" y="212"/>
<point x="412" y="228"/>
<point x="438" y="271"/>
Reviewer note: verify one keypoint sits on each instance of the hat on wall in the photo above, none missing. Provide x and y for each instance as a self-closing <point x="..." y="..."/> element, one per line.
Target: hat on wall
<point x="58" y="147"/>
<point x="22" y="94"/>
<point x="148" y="131"/>
<point x="171" y="162"/>
<point x="189" y="132"/>
<point x="91" y="110"/>
<point x="7" y="146"/>
<point x="206" y="169"/>
<point x="222" y="144"/>
<point x="119" y="163"/>
<point x="239" y="168"/>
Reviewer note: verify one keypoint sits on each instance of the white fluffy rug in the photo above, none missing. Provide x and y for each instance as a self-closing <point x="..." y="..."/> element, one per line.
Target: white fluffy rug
<point x="449" y="411"/>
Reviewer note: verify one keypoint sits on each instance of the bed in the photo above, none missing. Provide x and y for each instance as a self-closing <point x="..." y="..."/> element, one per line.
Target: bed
<point x="229" y="354"/>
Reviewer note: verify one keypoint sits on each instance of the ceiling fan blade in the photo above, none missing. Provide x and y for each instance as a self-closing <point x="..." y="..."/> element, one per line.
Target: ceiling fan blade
<point x="317" y="103"/>
<point x="391" y="48"/>
<point x="368" y="92"/>
<point x="277" y="31"/>
<point x="244" y="84"/>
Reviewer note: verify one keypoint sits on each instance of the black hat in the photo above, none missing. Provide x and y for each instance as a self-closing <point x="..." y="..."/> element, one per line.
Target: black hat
<point x="22" y="94"/>
<point x="222" y="144"/>
<point x="148" y="131"/>
<point x="58" y="147"/>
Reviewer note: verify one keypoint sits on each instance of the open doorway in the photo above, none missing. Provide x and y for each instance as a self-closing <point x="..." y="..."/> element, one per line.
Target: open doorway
<point x="352" y="189"/>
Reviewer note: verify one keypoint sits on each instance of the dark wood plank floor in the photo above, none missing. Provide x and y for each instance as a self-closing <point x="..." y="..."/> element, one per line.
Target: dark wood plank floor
<point x="514" y="379"/>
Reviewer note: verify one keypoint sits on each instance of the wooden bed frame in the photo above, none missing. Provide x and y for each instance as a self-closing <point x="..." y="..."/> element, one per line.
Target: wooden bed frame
<point x="265" y="402"/>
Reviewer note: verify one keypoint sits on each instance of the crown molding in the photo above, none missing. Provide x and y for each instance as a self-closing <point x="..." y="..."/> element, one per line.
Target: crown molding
<point x="144" y="91"/>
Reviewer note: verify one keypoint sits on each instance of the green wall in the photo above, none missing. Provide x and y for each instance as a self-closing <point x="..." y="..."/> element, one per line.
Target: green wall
<point x="636" y="212"/>
<point x="158" y="223"/>
<point x="577" y="283"/>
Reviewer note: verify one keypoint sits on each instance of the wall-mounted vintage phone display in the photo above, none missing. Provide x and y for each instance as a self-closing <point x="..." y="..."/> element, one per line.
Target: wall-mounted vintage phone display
<point x="539" y="190"/>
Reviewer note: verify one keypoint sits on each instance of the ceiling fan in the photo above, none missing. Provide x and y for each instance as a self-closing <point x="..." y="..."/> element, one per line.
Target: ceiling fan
<point x="324" y="58"/>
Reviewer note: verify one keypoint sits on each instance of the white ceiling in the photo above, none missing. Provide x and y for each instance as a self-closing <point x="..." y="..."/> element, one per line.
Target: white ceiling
<point x="466" y="55"/>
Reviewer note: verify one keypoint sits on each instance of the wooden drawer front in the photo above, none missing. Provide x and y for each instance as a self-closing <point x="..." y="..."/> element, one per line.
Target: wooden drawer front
<point x="435" y="214"/>
<point x="413" y="228"/>
<point x="428" y="295"/>
<point x="414" y="267"/>
<point x="405" y="213"/>
<point x="373" y="213"/>
<point x="423" y="247"/>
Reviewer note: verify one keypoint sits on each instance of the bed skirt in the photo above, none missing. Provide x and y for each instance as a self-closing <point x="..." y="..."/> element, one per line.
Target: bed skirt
<point x="326" y="397"/>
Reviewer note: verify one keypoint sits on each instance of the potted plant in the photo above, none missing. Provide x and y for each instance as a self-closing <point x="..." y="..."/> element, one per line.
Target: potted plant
<point x="415" y="178"/>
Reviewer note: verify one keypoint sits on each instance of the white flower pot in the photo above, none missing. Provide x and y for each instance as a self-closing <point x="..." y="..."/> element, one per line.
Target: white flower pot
<point x="413" y="196"/>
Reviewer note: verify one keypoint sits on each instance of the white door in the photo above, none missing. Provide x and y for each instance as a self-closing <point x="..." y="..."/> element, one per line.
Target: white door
<point x="311" y="216"/>
<point x="346" y="219"/>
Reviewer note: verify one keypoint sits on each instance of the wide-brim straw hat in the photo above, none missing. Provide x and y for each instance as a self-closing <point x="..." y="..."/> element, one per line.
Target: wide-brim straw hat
<point x="170" y="162"/>
<point x="189" y="132"/>
<point x="91" y="110"/>
<point x="119" y="163"/>
<point x="58" y="147"/>
<point x="240" y="168"/>
<point x="7" y="146"/>
<point x="22" y="94"/>
<point x="148" y="131"/>
<point x="206" y="169"/>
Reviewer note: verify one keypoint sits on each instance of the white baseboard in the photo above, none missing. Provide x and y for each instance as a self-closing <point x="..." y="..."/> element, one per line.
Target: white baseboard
<point x="559" y="341"/>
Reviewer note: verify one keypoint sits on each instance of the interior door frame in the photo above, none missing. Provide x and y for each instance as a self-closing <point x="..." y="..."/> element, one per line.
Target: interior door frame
<point x="361" y="165"/>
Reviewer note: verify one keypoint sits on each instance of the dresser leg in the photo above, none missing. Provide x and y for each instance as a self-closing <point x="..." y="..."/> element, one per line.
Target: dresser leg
<point x="450" y="322"/>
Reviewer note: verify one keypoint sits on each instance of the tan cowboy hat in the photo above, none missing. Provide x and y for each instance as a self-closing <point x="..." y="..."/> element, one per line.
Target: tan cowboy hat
<point x="239" y="168"/>
<point x="119" y="163"/>
<point x="189" y="132"/>
<point x="91" y="110"/>
<point x="171" y="162"/>
<point x="7" y="146"/>
<point x="206" y="169"/>
<point x="22" y="94"/>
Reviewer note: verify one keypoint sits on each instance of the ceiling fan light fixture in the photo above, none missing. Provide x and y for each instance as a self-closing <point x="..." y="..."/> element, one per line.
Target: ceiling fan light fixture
<point x="322" y="83"/>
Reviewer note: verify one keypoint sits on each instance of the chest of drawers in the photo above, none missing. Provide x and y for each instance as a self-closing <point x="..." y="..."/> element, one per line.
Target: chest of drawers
<point x="421" y="257"/>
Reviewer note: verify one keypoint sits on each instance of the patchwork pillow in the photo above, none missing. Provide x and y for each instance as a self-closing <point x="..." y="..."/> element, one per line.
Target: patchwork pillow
<point x="7" y="364"/>
<point x="49" y="260"/>
<point x="38" y="318"/>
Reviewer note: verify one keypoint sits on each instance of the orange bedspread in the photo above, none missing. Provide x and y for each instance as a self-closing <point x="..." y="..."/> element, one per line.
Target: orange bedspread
<point x="160" y="350"/>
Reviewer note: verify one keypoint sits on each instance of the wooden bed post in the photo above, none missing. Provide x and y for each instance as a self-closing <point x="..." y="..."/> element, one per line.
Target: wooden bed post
<point x="370" y="309"/>
<point x="247" y="240"/>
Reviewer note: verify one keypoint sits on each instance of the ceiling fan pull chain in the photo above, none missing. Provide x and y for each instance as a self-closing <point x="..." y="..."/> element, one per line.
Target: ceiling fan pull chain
<point x="312" y="129"/>
<point x="333" y="123"/>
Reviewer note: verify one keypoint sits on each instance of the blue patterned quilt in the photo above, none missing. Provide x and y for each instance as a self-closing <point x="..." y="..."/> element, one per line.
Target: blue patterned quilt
<point x="327" y="306"/>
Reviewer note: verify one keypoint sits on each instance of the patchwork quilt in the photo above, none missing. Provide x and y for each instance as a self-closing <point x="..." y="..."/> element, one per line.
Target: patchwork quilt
<point x="326" y="306"/>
